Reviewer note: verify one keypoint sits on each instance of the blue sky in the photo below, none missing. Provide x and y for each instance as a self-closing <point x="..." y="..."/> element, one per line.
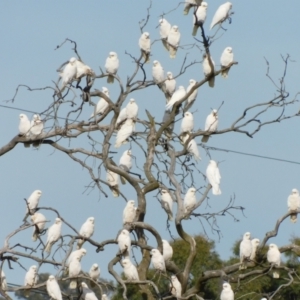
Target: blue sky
<point x="31" y="30"/>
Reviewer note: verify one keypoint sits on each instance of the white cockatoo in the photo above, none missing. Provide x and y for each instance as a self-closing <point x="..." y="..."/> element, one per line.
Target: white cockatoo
<point x="82" y="70"/>
<point x="221" y="14"/>
<point x="157" y="260"/>
<point x="111" y="66"/>
<point x="125" y="163"/>
<point x="76" y="253"/>
<point x="178" y="95"/>
<point x="94" y="274"/>
<point x="192" y="147"/>
<point x="124" y="133"/>
<point x="3" y="281"/>
<point x="167" y="203"/>
<point x="39" y="220"/>
<point x="132" y="109"/>
<point x="113" y="182"/>
<point x="74" y="270"/>
<point x="207" y="70"/>
<point x="145" y="46"/>
<point x="293" y="203"/>
<point x="192" y="97"/>
<point x="53" y="288"/>
<point x="175" y="287"/>
<point x="130" y="270"/>
<point x="124" y="242"/>
<point x="36" y="126"/>
<point x="102" y="104"/>
<point x="129" y="212"/>
<point x="164" y="29"/>
<point x="255" y="244"/>
<point x="170" y="86"/>
<point x="87" y="294"/>
<point x="245" y="250"/>
<point x="273" y="257"/>
<point x="187" y="123"/>
<point x="158" y="73"/>
<point x="31" y="278"/>
<point x="122" y="117"/>
<point x="199" y="17"/>
<point x="24" y="127"/>
<point x="33" y="201"/>
<point x="214" y="177"/>
<point x="227" y="292"/>
<point x="53" y="234"/>
<point x="68" y="74"/>
<point x="86" y="230"/>
<point x="226" y="60"/>
<point x="105" y="297"/>
<point x="211" y="124"/>
<point x="173" y="40"/>
<point x="167" y="250"/>
<point x="189" y="4"/>
<point x="190" y="200"/>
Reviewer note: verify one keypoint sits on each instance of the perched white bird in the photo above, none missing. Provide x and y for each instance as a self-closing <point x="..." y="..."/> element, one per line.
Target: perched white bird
<point x="157" y="260"/>
<point x="187" y="123"/>
<point x="69" y="73"/>
<point x="214" y="177"/>
<point x="102" y="104"/>
<point x="192" y="97"/>
<point x="207" y="70"/>
<point x="132" y="109"/>
<point x="125" y="163"/>
<point x="113" y="182"/>
<point x="190" y="200"/>
<point x="175" y="287"/>
<point x="74" y="270"/>
<point x="76" y="253"/>
<point x="145" y="46"/>
<point x="169" y="130"/>
<point x="226" y="60"/>
<point x="164" y="30"/>
<point x="192" y="147"/>
<point x="40" y="221"/>
<point x="273" y="257"/>
<point x="130" y="270"/>
<point x="33" y="201"/>
<point x="129" y="212"/>
<point x="179" y="94"/>
<point x="245" y="250"/>
<point x="255" y="244"/>
<point x="158" y="73"/>
<point x="86" y="230"/>
<point x="111" y="66"/>
<point x="53" y="234"/>
<point x="82" y="69"/>
<point x="170" y="86"/>
<point x="293" y="204"/>
<point x="122" y="117"/>
<point x="87" y="294"/>
<point x="31" y="279"/>
<point x="173" y="40"/>
<point x="104" y="297"/>
<point x="94" y="273"/>
<point x="190" y="3"/>
<point x="227" y="292"/>
<point x="199" y="17"/>
<point x="167" y="250"/>
<point x="36" y="126"/>
<point x="3" y="281"/>
<point x="124" y="133"/>
<point x="24" y="127"/>
<point x="124" y="242"/>
<point x="221" y="14"/>
<point x="211" y="124"/>
<point x="53" y="288"/>
<point x="167" y="203"/>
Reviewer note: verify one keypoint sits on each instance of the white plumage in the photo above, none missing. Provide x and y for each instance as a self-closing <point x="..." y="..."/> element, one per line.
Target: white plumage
<point x="102" y="104"/>
<point x="211" y="124"/>
<point x="33" y="201"/>
<point x="221" y="14"/>
<point x="86" y="230"/>
<point x="94" y="273"/>
<point x="124" y="133"/>
<point x="36" y="126"/>
<point x="189" y="4"/>
<point x="40" y="221"/>
<point x="214" y="177"/>
<point x="226" y="59"/>
<point x="104" y="297"/>
<point x="157" y="72"/>
<point x="124" y="242"/>
<point x="207" y="70"/>
<point x="167" y="250"/>
<point x="293" y="203"/>
<point x="199" y="17"/>
<point x="273" y="257"/>
<point x="125" y="163"/>
<point x="130" y="270"/>
<point x="227" y="292"/>
<point x="111" y="66"/>
<point x="31" y="278"/>
<point x="113" y="182"/>
<point x="87" y="294"/>
<point x="170" y="86"/>
<point x="255" y="244"/>
<point x="132" y="109"/>
<point x="122" y="117"/>
<point x="178" y="95"/>
<point x="157" y="260"/>
<point x="167" y="203"/>
<point x="192" y="97"/>
<point x="173" y="40"/>
<point x="187" y="123"/>
<point x="175" y="287"/>
<point x="129" y="212"/>
<point x="24" y="127"/>
<point x="74" y="270"/>
<point x="53" y="234"/>
<point x="53" y="288"/>
<point x="245" y="250"/>
<point x="145" y="46"/>
<point x="192" y="147"/>
<point x="69" y="73"/>
<point x="82" y="69"/>
<point x="190" y="200"/>
<point x="76" y="253"/>
<point x="3" y="281"/>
